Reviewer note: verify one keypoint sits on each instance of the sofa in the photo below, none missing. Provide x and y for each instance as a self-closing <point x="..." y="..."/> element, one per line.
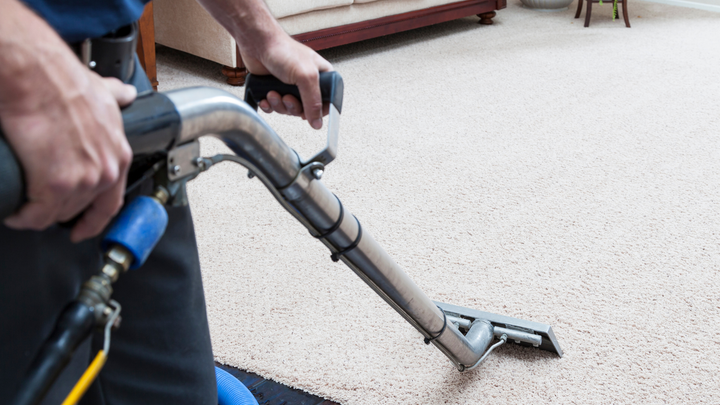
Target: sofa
<point x="320" y="24"/>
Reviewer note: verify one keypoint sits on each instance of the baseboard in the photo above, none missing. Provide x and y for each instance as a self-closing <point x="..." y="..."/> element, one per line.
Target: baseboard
<point x="690" y="4"/>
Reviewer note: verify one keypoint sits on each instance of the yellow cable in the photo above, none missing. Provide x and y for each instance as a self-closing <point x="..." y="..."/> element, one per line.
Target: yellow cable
<point x="87" y="378"/>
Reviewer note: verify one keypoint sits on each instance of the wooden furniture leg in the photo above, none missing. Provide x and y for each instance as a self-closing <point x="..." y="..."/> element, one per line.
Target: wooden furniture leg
<point x="486" y="18"/>
<point x="587" y="13"/>
<point x="235" y="76"/>
<point x="146" y="45"/>
<point x="625" y="14"/>
<point x="579" y="9"/>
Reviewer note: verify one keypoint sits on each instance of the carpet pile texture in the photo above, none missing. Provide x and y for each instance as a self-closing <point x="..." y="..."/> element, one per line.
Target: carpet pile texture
<point x="533" y="168"/>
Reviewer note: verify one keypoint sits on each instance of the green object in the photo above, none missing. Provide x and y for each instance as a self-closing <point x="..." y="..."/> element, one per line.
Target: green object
<point x="614" y="8"/>
<point x="615" y="12"/>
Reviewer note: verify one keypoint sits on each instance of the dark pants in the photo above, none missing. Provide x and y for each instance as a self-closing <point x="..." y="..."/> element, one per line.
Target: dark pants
<point x="161" y="353"/>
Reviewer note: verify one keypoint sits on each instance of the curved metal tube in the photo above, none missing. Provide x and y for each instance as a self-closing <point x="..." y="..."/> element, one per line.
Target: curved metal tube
<point x="207" y="111"/>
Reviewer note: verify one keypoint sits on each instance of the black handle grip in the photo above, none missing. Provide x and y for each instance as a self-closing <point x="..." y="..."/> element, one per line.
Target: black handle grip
<point x="151" y="123"/>
<point x="257" y="88"/>
<point x="12" y="189"/>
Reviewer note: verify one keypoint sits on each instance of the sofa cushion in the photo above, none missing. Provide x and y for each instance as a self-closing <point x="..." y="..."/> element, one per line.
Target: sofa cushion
<point x="334" y="17"/>
<point x="285" y="8"/>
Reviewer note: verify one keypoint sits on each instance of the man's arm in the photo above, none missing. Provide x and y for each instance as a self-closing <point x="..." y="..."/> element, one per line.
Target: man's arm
<point x="64" y="124"/>
<point x="267" y="49"/>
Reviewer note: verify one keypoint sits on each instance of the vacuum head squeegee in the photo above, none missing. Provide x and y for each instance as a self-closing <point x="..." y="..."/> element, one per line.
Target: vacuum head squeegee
<point x="519" y="331"/>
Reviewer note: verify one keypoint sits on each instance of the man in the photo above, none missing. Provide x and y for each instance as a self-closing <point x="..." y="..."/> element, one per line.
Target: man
<point x="64" y="124"/>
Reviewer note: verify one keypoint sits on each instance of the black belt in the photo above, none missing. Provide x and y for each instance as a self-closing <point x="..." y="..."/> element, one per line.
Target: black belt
<point x="112" y="55"/>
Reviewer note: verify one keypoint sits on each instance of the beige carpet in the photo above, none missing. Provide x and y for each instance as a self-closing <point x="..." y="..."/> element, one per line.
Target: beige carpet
<point x="533" y="168"/>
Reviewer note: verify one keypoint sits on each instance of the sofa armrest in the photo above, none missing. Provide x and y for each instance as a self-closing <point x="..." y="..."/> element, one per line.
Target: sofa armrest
<point x="186" y="26"/>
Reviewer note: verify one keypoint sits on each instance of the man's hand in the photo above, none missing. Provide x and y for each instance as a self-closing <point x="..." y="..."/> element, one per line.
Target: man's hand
<point x="64" y="124"/>
<point x="267" y="49"/>
<point x="292" y="63"/>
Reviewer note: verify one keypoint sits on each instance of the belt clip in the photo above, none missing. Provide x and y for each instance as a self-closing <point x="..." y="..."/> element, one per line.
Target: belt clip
<point x="86" y="54"/>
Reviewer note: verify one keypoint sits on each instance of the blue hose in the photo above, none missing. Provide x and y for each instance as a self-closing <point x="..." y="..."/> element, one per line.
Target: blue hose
<point x="231" y="391"/>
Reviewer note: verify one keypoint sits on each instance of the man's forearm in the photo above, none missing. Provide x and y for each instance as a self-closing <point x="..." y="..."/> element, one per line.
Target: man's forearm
<point x="248" y="21"/>
<point x="29" y="48"/>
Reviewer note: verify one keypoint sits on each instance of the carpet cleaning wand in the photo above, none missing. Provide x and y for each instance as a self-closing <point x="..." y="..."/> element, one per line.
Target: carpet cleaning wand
<point x="465" y="336"/>
<point x="173" y="122"/>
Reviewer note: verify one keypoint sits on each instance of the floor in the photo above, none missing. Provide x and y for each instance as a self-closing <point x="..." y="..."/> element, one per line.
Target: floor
<point x="510" y="169"/>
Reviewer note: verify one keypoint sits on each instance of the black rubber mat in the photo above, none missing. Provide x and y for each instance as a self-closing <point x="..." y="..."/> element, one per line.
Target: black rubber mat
<point x="268" y="392"/>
